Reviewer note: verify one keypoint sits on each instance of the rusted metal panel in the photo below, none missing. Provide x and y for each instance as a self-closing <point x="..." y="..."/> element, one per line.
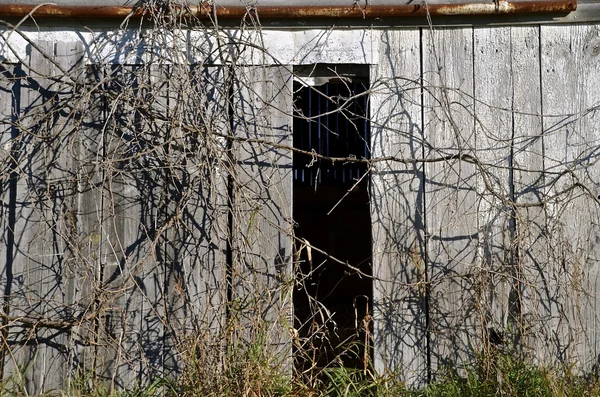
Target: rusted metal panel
<point x="271" y="10"/>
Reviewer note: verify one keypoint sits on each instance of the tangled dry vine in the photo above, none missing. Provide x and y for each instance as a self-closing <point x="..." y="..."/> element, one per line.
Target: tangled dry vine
<point x="149" y="220"/>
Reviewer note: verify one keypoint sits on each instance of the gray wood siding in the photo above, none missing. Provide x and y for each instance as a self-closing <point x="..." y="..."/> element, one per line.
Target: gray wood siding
<point x="40" y="268"/>
<point x="450" y="193"/>
<point x="399" y="289"/>
<point x="261" y="278"/>
<point x="570" y="71"/>
<point x="528" y="181"/>
<point x="91" y="241"/>
<point x="7" y="114"/>
<point x="505" y="225"/>
<point x="196" y="276"/>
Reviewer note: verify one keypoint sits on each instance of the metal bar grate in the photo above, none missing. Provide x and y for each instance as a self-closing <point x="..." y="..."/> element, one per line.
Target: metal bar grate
<point x="331" y="120"/>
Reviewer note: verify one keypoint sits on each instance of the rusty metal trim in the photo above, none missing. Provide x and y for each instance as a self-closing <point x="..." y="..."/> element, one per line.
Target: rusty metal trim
<point x="298" y="12"/>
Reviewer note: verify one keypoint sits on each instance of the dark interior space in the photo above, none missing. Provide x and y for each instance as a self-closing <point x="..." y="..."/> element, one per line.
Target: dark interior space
<point x="331" y="211"/>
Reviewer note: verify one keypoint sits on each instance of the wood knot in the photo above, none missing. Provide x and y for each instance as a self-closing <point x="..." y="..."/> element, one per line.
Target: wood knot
<point x="594" y="47"/>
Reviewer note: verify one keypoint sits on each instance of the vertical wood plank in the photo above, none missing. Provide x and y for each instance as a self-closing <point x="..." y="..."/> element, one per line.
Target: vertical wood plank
<point x="45" y="208"/>
<point x="113" y="273"/>
<point x="400" y="343"/>
<point x="262" y="281"/>
<point x="161" y="164"/>
<point x="494" y="136"/>
<point x="452" y="197"/>
<point x="134" y="221"/>
<point x="31" y="204"/>
<point x="571" y="88"/>
<point x="7" y="84"/>
<point x="168" y="244"/>
<point x="528" y="169"/>
<point x="559" y="96"/>
<point x="7" y="87"/>
<point x="88" y="152"/>
<point x="10" y="89"/>
<point x="207" y="270"/>
<point x="72" y="104"/>
<point x="195" y="279"/>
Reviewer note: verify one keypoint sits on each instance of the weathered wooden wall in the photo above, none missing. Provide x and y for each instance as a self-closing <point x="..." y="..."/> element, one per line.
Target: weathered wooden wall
<point x="144" y="205"/>
<point x="120" y="248"/>
<point x="501" y="218"/>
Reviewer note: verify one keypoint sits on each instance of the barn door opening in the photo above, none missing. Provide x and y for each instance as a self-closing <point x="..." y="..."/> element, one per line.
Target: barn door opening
<point x="332" y="301"/>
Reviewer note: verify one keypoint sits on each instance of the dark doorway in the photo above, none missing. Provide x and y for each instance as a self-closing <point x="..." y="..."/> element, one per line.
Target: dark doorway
<point x="332" y="301"/>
